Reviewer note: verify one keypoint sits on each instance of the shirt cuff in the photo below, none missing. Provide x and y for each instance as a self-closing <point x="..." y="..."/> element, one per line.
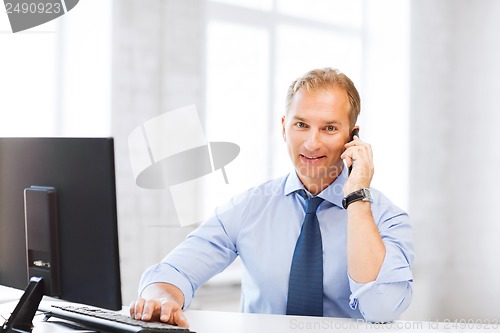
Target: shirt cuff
<point x="165" y="273"/>
<point x="394" y="269"/>
<point x="357" y="289"/>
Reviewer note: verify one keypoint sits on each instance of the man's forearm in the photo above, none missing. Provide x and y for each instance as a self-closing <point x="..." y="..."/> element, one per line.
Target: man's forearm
<point x="365" y="249"/>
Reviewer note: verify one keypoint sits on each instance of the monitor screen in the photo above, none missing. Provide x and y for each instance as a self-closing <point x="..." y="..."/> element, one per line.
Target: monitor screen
<point x="81" y="172"/>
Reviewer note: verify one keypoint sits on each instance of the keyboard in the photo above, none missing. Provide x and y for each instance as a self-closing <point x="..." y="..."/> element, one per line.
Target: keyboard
<point x="108" y="321"/>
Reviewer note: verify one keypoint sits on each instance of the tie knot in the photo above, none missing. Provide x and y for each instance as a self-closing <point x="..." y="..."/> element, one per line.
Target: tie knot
<point x="313" y="204"/>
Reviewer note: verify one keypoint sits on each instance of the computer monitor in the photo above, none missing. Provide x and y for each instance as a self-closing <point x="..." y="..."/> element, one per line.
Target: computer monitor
<point x="69" y="183"/>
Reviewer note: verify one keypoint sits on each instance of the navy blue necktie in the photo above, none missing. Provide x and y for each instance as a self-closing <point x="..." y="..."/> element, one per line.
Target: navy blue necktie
<point x="305" y="289"/>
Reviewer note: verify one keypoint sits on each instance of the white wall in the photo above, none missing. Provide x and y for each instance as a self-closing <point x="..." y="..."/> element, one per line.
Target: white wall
<point x="455" y="75"/>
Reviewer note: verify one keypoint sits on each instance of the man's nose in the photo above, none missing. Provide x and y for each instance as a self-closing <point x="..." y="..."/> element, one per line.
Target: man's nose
<point x="313" y="142"/>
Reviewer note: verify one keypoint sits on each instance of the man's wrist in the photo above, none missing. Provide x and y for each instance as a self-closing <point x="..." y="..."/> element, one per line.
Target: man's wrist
<point x="164" y="290"/>
<point x="362" y="194"/>
<point x="350" y="188"/>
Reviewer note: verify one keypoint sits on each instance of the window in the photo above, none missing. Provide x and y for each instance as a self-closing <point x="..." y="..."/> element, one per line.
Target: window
<point x="56" y="77"/>
<point x="254" y="51"/>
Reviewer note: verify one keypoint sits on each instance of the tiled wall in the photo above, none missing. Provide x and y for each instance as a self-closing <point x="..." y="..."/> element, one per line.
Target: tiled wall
<point x="157" y="53"/>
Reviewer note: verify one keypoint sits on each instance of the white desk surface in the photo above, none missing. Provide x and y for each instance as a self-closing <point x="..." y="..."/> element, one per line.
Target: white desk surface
<point x="233" y="322"/>
<point x="9" y="294"/>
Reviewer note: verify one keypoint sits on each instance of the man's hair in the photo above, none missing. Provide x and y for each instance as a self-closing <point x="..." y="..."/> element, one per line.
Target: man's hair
<point x="324" y="79"/>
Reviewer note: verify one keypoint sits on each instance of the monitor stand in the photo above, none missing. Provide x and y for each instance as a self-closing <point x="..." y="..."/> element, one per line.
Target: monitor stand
<point x="21" y="319"/>
<point x="42" y="252"/>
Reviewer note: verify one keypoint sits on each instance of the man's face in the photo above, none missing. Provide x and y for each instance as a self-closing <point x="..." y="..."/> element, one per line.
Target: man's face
<point x="315" y="130"/>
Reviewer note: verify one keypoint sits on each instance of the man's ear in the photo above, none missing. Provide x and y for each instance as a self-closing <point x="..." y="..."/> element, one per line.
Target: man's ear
<point x="283" y="128"/>
<point x="355" y="131"/>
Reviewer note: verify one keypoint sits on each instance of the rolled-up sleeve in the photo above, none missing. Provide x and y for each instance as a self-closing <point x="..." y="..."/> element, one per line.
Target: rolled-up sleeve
<point x="164" y="272"/>
<point x="385" y="299"/>
<point x="207" y="251"/>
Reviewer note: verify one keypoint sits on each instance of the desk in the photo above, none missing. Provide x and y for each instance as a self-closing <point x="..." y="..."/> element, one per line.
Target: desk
<point x="233" y="322"/>
<point x="9" y="294"/>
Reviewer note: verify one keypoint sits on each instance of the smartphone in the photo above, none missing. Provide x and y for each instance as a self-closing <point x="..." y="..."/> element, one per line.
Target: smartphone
<point x="354" y="132"/>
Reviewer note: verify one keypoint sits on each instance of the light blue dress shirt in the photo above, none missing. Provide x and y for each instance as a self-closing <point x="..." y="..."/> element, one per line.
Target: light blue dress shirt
<point x="262" y="225"/>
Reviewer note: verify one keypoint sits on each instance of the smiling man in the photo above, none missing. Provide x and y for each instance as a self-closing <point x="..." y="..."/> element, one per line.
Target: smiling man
<point x="318" y="241"/>
<point x="316" y="128"/>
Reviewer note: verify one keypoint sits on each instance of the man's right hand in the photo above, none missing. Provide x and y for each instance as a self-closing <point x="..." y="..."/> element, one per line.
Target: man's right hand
<point x="160" y="302"/>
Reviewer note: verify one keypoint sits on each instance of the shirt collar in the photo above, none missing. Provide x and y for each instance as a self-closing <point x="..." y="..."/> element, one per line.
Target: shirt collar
<point x="333" y="193"/>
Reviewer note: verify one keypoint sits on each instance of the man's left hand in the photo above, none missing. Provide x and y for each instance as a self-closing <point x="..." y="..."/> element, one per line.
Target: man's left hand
<point x="358" y="154"/>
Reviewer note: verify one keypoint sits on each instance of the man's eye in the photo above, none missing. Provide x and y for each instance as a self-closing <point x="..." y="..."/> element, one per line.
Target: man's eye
<point x="301" y="124"/>
<point x="330" y="128"/>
